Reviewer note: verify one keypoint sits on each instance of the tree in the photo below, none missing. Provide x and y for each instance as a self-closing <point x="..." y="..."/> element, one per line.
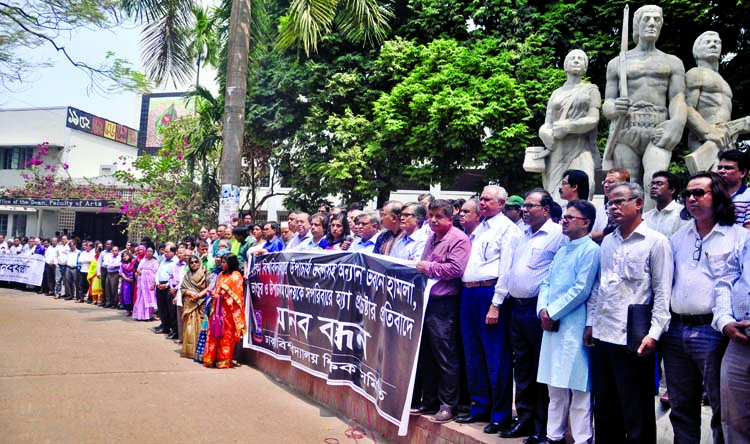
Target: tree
<point x="34" y="23"/>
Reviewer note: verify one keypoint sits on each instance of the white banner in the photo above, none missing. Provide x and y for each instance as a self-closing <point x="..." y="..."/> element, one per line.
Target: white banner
<point x="22" y="268"/>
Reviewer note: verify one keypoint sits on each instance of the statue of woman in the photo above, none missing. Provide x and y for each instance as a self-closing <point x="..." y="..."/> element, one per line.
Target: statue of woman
<point x="569" y="130"/>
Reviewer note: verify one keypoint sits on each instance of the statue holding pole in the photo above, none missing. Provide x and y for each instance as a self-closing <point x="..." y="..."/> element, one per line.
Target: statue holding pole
<point x="650" y="102"/>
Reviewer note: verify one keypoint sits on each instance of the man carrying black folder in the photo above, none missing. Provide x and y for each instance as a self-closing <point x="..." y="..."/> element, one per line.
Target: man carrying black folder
<point x="704" y="251"/>
<point x="636" y="268"/>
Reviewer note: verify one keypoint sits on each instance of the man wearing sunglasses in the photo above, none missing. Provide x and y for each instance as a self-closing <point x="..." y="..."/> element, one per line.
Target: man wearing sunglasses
<point x="707" y="249"/>
<point x="636" y="268"/>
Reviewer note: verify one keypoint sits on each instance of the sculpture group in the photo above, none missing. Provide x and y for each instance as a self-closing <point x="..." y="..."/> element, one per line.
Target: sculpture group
<point x="649" y="100"/>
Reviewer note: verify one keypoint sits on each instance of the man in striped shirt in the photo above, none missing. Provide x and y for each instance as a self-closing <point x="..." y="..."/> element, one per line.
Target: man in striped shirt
<point x="733" y="167"/>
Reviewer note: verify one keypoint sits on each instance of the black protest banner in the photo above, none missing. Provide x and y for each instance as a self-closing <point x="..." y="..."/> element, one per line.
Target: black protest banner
<point x="350" y="318"/>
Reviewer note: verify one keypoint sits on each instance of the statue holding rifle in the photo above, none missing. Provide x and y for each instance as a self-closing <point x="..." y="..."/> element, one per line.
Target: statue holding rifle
<point x="645" y="99"/>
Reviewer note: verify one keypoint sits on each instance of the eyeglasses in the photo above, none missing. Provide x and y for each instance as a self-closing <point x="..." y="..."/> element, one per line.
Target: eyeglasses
<point x="620" y="202"/>
<point x="657" y="183"/>
<point x="569" y="218"/>
<point x="194" y="262"/>
<point x="564" y="182"/>
<point x="405" y="215"/>
<point x="697" y="192"/>
<point x="529" y="206"/>
<point x="698" y="249"/>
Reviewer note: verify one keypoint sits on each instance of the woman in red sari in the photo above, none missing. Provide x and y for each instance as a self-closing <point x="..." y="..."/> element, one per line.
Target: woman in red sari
<point x="228" y="293"/>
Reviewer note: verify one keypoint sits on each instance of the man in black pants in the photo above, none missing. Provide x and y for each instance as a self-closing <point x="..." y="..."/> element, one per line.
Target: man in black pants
<point x="167" y="310"/>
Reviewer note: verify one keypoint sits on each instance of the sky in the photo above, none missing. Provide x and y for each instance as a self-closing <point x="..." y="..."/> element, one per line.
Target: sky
<point x="65" y="85"/>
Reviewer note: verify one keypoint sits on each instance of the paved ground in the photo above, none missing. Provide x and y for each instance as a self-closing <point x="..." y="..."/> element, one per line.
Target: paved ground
<point x="74" y="373"/>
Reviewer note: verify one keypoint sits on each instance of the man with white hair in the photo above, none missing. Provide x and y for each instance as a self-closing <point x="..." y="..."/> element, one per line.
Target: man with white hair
<point x="485" y="315"/>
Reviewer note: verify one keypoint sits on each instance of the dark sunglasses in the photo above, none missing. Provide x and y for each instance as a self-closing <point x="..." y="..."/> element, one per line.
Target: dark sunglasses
<point x="697" y="192"/>
<point x="194" y="262"/>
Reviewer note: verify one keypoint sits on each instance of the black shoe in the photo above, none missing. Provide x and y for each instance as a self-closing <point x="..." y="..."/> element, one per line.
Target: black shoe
<point x="539" y="438"/>
<point x="470" y="419"/>
<point x="89" y="301"/>
<point x="517" y="431"/>
<point x="172" y="335"/>
<point x="112" y="307"/>
<point x="493" y="427"/>
<point x="158" y="330"/>
<point x="554" y="441"/>
<point x="423" y="410"/>
<point x="68" y="298"/>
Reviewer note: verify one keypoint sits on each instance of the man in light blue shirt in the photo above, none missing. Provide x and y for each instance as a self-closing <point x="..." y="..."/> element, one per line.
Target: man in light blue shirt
<point x="563" y="360"/>
<point x="410" y="244"/>
<point x="368" y="226"/>
<point x="167" y="310"/>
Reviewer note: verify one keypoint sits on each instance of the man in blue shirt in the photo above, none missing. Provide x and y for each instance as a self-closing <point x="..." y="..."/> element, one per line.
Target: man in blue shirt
<point x="167" y="310"/>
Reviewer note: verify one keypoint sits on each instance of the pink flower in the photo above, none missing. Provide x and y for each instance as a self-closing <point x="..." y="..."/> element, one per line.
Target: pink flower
<point x="159" y="227"/>
<point x="66" y="166"/>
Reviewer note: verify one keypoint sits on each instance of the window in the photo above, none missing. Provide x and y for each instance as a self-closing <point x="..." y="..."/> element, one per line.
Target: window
<point x="4" y="225"/>
<point x="19" y="225"/>
<point x="15" y="158"/>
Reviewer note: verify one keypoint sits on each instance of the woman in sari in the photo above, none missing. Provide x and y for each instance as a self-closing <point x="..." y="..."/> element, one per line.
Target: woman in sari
<point x="143" y="310"/>
<point x="213" y="276"/>
<point x="194" y="287"/>
<point x="227" y="297"/>
<point x="127" y="280"/>
<point x="95" y="283"/>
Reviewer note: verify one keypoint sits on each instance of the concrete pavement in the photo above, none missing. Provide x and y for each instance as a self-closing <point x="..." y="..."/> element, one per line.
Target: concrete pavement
<point x="74" y="373"/>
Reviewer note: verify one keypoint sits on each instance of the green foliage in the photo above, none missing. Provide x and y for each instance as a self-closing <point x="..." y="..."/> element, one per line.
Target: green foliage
<point x="168" y="202"/>
<point x="34" y="23"/>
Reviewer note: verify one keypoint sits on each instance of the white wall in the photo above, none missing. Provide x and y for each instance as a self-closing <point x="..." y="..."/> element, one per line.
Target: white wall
<point x="32" y="126"/>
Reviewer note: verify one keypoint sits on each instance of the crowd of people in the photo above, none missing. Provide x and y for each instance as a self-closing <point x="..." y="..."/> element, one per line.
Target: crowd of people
<point x="530" y="303"/>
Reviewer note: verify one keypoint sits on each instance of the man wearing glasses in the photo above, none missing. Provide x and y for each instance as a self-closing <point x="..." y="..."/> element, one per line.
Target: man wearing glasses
<point x="636" y="268"/>
<point x="563" y="360"/>
<point x="410" y="244"/>
<point x="367" y="225"/>
<point x="485" y="314"/>
<point x="708" y="248"/>
<point x="531" y="260"/>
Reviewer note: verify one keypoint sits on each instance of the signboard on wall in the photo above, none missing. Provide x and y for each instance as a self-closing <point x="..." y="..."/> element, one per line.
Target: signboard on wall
<point x="88" y="123"/>
<point x="157" y="112"/>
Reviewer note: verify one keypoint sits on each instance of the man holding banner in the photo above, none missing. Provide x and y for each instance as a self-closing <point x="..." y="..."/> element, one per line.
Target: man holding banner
<point x="444" y="258"/>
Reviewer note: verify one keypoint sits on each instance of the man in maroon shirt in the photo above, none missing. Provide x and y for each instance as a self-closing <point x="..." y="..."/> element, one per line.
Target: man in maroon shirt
<point x="445" y="256"/>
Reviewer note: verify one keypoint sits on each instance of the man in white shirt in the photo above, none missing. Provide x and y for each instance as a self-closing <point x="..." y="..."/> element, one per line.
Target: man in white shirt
<point x="368" y="227"/>
<point x="71" y="272"/>
<point x="50" y="266"/>
<point x="665" y="217"/>
<point x="303" y="240"/>
<point x="84" y="262"/>
<point x="410" y="244"/>
<point x="469" y="217"/>
<point x="105" y="259"/>
<point x="3" y="245"/>
<point x="692" y="348"/>
<point x="603" y="225"/>
<point x="636" y="268"/>
<point x="62" y="265"/>
<point x="484" y="315"/>
<point x="531" y="260"/>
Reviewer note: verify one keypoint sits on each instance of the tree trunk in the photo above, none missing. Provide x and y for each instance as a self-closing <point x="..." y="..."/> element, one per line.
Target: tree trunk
<point x="234" y="108"/>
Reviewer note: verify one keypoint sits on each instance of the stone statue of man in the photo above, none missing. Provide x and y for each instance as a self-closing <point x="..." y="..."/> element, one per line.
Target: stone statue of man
<point x="569" y="130"/>
<point x="709" y="100"/>
<point x="653" y="107"/>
